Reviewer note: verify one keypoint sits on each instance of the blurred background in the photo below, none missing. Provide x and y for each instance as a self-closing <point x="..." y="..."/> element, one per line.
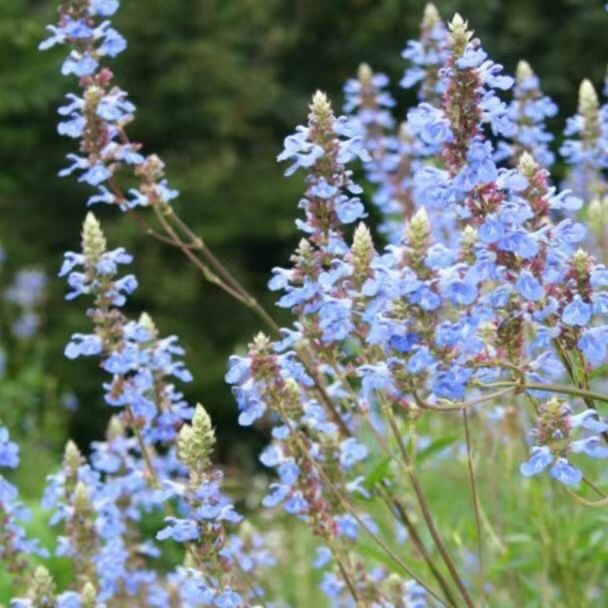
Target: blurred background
<point x="218" y="84"/>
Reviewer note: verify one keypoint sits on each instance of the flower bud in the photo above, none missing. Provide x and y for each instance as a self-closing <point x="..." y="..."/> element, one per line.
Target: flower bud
<point x="72" y="458"/>
<point x="42" y="591"/>
<point x="468" y="241"/>
<point x="523" y="71"/>
<point x="195" y="442"/>
<point x="93" y="239"/>
<point x="89" y="595"/>
<point x="362" y="249"/>
<point x="418" y="231"/>
<point x="320" y="108"/>
<point x="459" y="34"/>
<point x="431" y="17"/>
<point x="116" y="428"/>
<point x="594" y="212"/>
<point x="580" y="262"/>
<point x="82" y="500"/>
<point x="145" y="320"/>
<point x="365" y="74"/>
<point x="527" y="166"/>
<point x="588" y="102"/>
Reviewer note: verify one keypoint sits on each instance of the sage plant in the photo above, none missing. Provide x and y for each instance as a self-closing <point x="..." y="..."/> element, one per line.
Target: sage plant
<point x="483" y="297"/>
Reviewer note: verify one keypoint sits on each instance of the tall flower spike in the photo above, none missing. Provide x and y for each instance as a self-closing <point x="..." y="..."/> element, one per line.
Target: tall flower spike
<point x="15" y="547"/>
<point x="586" y="146"/>
<point x="528" y="111"/>
<point x="100" y="116"/>
<point x="394" y="156"/>
<point x="426" y="56"/>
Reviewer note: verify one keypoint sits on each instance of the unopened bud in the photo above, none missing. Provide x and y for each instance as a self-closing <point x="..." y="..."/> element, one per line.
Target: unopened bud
<point x="419" y="230"/>
<point x="580" y="261"/>
<point x="523" y="71"/>
<point x="459" y="34"/>
<point x="321" y="114"/>
<point x="72" y="458"/>
<point x="195" y="442"/>
<point x="363" y="247"/>
<point x="588" y="102"/>
<point x="365" y="73"/>
<point x="145" y="320"/>
<point x="431" y="17"/>
<point x="89" y="595"/>
<point x="469" y="237"/>
<point x="93" y="239"/>
<point x="527" y="166"/>
<point x="116" y="428"/>
<point x="82" y="500"/>
<point x="42" y="588"/>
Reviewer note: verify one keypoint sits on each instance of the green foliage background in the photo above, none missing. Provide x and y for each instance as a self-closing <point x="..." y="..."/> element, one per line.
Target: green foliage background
<point x="218" y="84"/>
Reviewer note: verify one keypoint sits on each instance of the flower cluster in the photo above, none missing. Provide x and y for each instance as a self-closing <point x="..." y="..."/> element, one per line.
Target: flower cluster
<point x="99" y="117"/>
<point x="501" y="297"/>
<point x="15" y="546"/>
<point x="483" y="294"/>
<point x="529" y="111"/>
<point x="27" y="292"/>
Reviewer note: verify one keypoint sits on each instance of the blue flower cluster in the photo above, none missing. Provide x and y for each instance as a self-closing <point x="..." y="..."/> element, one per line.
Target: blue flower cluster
<point x="585" y="146"/>
<point x="529" y="110"/>
<point x="502" y="298"/>
<point x="27" y="293"/>
<point x="483" y="292"/>
<point x="15" y="545"/>
<point x="99" y="117"/>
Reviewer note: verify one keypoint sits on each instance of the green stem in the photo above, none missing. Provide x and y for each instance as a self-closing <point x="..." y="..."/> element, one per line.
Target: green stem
<point x="550" y="388"/>
<point x="473" y="482"/>
<point x="426" y="513"/>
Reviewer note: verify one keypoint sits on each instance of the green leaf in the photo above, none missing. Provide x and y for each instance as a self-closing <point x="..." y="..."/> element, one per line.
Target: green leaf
<point x="379" y="472"/>
<point x="434" y="447"/>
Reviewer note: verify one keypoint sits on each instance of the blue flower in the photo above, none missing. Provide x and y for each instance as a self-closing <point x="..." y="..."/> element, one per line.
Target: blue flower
<point x="529" y="286"/>
<point x="104" y="8"/>
<point x="349" y="209"/>
<point x="9" y="451"/>
<point x="351" y="452"/>
<point x="180" y="530"/>
<point x="299" y="149"/>
<point x="540" y="459"/>
<point x="565" y="473"/>
<point x="577" y="312"/>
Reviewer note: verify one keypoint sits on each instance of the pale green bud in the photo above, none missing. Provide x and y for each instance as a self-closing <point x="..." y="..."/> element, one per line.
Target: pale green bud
<point x="523" y="71"/>
<point x="431" y="17"/>
<point x="116" y="428"/>
<point x="195" y="442"/>
<point x="321" y="114"/>
<point x="527" y="166"/>
<point x="89" y="595"/>
<point x="419" y="230"/>
<point x="588" y="102"/>
<point x="469" y="237"/>
<point x="459" y="34"/>
<point x="363" y="247"/>
<point x="82" y="500"/>
<point x="303" y="254"/>
<point x="596" y="213"/>
<point x="72" y="458"/>
<point x="580" y="261"/>
<point x="261" y="342"/>
<point x="145" y="320"/>
<point x="42" y="591"/>
<point x="93" y="239"/>
<point x="365" y="73"/>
